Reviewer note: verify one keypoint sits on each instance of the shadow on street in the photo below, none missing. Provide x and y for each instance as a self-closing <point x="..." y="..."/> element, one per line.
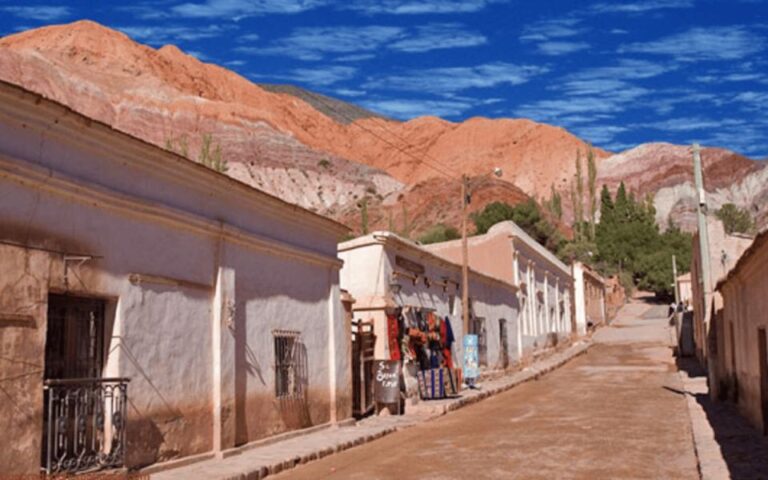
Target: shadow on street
<point x="744" y="448"/>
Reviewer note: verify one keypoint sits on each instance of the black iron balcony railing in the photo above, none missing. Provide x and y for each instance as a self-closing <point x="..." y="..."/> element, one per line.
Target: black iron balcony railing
<point x="84" y="424"/>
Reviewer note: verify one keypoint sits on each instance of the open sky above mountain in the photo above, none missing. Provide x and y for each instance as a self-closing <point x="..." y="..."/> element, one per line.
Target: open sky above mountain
<point x="615" y="73"/>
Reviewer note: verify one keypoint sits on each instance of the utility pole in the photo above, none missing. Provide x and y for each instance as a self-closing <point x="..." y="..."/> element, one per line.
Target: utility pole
<point x="705" y="281"/>
<point x="464" y="254"/>
<point x="701" y="211"/>
<point x="674" y="279"/>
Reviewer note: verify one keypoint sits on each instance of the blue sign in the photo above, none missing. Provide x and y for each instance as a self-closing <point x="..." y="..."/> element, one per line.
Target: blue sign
<point x="471" y="357"/>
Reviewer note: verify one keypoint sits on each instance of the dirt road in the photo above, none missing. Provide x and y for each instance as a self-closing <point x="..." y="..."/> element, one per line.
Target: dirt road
<point x="616" y="412"/>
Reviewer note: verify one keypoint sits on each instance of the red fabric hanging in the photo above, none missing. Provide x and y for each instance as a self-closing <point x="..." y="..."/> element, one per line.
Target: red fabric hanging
<point x="446" y="346"/>
<point x="393" y="334"/>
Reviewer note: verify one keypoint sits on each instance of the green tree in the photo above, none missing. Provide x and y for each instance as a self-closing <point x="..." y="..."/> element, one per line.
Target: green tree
<point x="526" y="215"/>
<point x="628" y="241"/>
<point x="210" y="154"/>
<point x="439" y="233"/>
<point x="592" y="188"/>
<point x="578" y="198"/>
<point x="555" y="203"/>
<point x="735" y="219"/>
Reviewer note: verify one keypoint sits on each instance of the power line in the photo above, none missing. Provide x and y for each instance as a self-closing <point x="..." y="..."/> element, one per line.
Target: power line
<point x="439" y="168"/>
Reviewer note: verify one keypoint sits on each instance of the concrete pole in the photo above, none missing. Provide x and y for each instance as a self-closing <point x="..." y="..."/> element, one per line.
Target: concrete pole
<point x="705" y="280"/>
<point x="701" y="211"/>
<point x="464" y="255"/>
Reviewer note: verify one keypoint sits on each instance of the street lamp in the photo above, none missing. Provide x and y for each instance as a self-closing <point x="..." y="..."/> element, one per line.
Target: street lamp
<point x="466" y="192"/>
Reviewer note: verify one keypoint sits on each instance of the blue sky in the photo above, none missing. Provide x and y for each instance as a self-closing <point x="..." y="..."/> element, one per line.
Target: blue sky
<point x="615" y="73"/>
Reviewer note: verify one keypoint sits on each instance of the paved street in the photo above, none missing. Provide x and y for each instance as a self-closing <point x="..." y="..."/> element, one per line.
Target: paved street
<point x="616" y="412"/>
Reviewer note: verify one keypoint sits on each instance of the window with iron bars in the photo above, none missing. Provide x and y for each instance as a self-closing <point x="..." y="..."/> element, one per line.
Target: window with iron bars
<point x="286" y="375"/>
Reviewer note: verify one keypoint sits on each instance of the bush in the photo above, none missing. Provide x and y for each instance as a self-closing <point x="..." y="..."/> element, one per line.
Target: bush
<point x="735" y="219"/>
<point x="439" y="233"/>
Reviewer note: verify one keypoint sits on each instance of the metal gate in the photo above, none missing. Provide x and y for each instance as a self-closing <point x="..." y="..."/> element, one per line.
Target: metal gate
<point x="363" y="343"/>
<point x="84" y="414"/>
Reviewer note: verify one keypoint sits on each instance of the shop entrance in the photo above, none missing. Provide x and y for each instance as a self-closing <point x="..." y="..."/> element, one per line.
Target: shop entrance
<point x="363" y="344"/>
<point x="84" y="413"/>
<point x="763" y="353"/>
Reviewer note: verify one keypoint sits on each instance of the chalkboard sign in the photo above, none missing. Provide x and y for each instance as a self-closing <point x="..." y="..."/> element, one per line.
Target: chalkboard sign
<point x="386" y="381"/>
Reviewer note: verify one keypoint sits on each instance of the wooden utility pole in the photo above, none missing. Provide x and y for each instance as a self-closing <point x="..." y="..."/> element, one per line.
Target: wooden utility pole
<point x="674" y="280"/>
<point x="464" y="254"/>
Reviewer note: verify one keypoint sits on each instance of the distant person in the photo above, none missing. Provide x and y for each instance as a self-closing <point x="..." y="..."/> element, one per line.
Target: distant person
<point x="672" y="308"/>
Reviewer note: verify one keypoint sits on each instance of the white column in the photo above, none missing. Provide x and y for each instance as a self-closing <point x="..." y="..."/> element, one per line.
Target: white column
<point x="519" y="324"/>
<point x="558" y="317"/>
<point x="223" y="356"/>
<point x="334" y="320"/>
<point x="547" y="320"/>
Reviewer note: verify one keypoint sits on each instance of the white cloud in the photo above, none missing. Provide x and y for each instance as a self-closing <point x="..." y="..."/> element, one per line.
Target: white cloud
<point x="561" y="48"/>
<point x="355" y="57"/>
<point x="625" y="69"/>
<point x="438" y="36"/>
<point x="410" y="108"/>
<point x="447" y="80"/>
<point x="688" y="124"/>
<point x="697" y="44"/>
<point x="552" y="29"/>
<point x="161" y="35"/>
<point x="353" y="43"/>
<point x="312" y="43"/>
<point x="43" y="13"/>
<point x="239" y="9"/>
<point x="731" y="77"/>
<point x="349" y="92"/>
<point x="599" y="133"/>
<point x="322" y="76"/>
<point x="248" y="37"/>
<point x="639" y="6"/>
<point x="413" y="7"/>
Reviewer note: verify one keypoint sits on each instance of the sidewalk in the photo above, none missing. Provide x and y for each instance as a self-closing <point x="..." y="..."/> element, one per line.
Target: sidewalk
<point x="257" y="463"/>
<point x="726" y="445"/>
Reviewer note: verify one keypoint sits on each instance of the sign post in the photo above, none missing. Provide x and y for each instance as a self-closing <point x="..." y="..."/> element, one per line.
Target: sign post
<point x="386" y="384"/>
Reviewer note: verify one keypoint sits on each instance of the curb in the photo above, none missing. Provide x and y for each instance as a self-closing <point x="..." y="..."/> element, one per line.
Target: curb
<point x="257" y="472"/>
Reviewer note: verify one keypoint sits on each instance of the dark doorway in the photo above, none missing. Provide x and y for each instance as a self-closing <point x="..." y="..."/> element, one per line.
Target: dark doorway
<point x="504" y="350"/>
<point x="363" y="344"/>
<point x="763" y="353"/>
<point x="74" y="345"/>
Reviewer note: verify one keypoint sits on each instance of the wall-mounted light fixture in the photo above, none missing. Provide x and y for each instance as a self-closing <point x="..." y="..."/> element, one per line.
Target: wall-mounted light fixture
<point x="395" y="287"/>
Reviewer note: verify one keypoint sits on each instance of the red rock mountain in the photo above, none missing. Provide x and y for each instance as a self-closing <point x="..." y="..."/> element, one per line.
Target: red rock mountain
<point x="312" y="150"/>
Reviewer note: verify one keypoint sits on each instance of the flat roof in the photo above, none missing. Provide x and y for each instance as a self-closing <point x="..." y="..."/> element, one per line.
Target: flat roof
<point x="257" y="195"/>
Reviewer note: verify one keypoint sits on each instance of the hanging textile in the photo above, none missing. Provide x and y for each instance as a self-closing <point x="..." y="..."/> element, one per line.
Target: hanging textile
<point x="393" y="334"/>
<point x="447" y="341"/>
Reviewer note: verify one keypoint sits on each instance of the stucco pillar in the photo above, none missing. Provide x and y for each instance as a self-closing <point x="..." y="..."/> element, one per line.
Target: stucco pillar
<point x="558" y="317"/>
<point x="547" y="320"/>
<point x="580" y="298"/>
<point x="223" y="341"/>
<point x="519" y="329"/>
<point x="334" y="319"/>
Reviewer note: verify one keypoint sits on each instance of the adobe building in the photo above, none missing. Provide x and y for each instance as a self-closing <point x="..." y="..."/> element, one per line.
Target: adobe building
<point x="724" y="251"/>
<point x="545" y="284"/>
<point x="741" y="374"/>
<point x="398" y="284"/>
<point x="589" y="298"/>
<point x="152" y="309"/>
